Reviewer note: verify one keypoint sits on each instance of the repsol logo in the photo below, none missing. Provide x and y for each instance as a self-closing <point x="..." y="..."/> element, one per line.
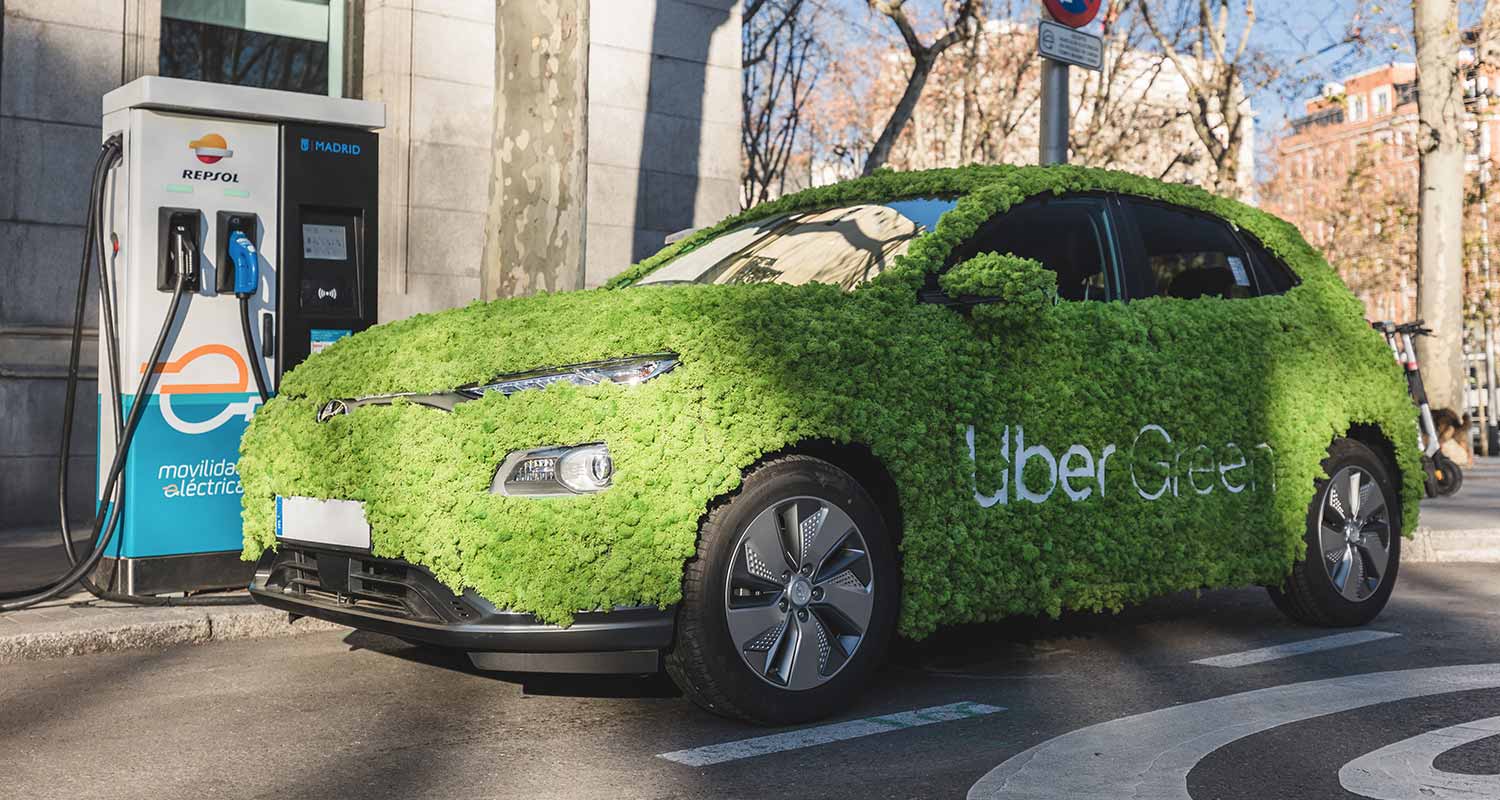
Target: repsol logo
<point x="210" y="175"/>
<point x="1156" y="466"/>
<point x="323" y="146"/>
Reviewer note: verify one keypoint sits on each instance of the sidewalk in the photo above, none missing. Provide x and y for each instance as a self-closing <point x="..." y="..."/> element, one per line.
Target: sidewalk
<point x="1465" y="527"/>
<point x="78" y="624"/>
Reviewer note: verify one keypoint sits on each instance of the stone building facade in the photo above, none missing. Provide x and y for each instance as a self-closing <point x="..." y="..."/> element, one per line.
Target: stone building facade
<point x="662" y="144"/>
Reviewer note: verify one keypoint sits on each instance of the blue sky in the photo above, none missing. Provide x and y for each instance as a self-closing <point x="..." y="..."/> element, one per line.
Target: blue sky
<point x="1293" y="32"/>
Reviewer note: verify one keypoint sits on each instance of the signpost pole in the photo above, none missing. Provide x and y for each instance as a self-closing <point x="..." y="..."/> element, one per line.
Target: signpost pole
<point x="1060" y="44"/>
<point x="1054" y="134"/>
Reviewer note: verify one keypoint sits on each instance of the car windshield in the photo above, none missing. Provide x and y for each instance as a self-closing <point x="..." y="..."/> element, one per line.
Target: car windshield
<point x="844" y="246"/>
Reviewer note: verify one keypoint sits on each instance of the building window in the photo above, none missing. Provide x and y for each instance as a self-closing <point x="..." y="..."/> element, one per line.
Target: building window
<point x="1357" y="108"/>
<point x="1382" y="102"/>
<point x="295" y="45"/>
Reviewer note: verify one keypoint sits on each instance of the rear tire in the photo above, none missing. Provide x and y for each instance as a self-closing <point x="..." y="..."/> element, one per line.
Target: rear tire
<point x="791" y="602"/>
<point x="1353" y="543"/>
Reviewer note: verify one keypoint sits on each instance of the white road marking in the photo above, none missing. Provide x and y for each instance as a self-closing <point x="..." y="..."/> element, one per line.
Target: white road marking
<point x="1289" y="649"/>
<point x="825" y="734"/>
<point x="1149" y="755"/>
<point x="1404" y="771"/>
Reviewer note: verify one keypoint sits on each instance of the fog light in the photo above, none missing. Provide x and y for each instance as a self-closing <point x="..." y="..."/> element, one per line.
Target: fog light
<point x="555" y="471"/>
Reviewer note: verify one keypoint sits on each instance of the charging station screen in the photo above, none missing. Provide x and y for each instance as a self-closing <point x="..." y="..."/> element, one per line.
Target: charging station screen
<point x="325" y="242"/>
<point x="329" y="282"/>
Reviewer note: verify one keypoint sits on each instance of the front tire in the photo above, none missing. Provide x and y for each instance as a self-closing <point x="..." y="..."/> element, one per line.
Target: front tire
<point x="1353" y="543"/>
<point x="791" y="602"/>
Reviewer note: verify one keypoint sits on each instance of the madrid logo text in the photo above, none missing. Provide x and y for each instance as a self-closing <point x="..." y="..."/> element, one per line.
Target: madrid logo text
<point x="1155" y="465"/>
<point x="322" y="146"/>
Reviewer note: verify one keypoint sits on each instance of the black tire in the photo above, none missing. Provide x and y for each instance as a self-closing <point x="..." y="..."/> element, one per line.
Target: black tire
<point x="1447" y="478"/>
<point x="1429" y="483"/>
<point x="706" y="662"/>
<point x="1310" y="594"/>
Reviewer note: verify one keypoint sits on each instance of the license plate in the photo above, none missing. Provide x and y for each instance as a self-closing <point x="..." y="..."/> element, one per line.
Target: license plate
<point x="335" y="522"/>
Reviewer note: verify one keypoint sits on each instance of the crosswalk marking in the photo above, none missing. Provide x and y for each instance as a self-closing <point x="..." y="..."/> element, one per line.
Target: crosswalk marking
<point x="1263" y="654"/>
<point x="826" y="734"/>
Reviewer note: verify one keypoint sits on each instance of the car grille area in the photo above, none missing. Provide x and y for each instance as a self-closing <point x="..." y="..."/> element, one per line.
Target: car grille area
<point x="386" y="587"/>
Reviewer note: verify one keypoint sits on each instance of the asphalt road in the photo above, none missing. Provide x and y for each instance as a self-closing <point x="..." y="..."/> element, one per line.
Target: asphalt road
<point x="1101" y="706"/>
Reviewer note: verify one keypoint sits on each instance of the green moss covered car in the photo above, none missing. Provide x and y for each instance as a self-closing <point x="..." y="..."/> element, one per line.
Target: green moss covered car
<point x="877" y="407"/>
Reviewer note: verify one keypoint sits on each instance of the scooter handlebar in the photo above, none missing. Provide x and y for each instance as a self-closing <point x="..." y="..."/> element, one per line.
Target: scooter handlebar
<point x="1414" y="328"/>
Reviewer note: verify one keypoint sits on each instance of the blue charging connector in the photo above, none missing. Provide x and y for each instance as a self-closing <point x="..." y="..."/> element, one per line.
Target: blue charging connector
<point x="246" y="264"/>
<point x="246" y="283"/>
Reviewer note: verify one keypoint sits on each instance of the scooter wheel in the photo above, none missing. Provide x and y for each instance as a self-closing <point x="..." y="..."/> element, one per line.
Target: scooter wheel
<point x="1448" y="478"/>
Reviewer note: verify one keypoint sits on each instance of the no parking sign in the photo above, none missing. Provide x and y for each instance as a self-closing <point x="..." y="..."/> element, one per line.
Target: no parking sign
<point x="1073" y="13"/>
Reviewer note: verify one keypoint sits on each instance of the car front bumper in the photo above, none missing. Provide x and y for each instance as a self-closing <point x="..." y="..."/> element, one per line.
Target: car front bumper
<point x="401" y="599"/>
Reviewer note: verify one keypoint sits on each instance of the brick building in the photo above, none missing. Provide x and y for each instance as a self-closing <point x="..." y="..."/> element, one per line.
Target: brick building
<point x="1357" y="142"/>
<point x="1347" y="173"/>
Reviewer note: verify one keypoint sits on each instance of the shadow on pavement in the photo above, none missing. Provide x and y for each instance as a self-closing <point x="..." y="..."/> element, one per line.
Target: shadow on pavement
<point x="542" y="685"/>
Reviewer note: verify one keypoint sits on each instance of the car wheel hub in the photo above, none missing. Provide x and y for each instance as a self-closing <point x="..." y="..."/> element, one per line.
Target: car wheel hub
<point x="799" y="596"/>
<point x="799" y="591"/>
<point x="1354" y="533"/>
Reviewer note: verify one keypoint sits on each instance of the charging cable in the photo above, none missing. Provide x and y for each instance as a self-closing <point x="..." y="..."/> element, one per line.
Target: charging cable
<point x="246" y="283"/>
<point x="106" y="517"/>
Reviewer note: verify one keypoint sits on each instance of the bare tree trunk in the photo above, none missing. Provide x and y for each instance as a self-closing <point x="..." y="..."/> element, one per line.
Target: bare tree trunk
<point x="1214" y="75"/>
<point x="780" y="62"/>
<point x="534" y="231"/>
<point x="1489" y="58"/>
<point x="1440" y="216"/>
<point x="901" y="115"/>
<point x="923" y="57"/>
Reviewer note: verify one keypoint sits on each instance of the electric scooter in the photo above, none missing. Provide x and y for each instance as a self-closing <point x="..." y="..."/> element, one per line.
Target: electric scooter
<point x="1443" y="476"/>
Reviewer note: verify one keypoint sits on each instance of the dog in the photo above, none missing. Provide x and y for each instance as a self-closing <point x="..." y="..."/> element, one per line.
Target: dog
<point x="1453" y="436"/>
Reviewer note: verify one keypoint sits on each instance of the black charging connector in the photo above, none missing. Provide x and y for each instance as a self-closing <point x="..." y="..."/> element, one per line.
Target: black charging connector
<point x="178" y="248"/>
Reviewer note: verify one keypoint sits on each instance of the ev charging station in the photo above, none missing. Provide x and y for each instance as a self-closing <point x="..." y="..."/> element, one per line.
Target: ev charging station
<point x="248" y="218"/>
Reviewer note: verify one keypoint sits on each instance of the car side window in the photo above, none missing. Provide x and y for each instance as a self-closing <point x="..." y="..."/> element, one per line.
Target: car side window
<point x="1273" y="275"/>
<point x="1187" y="254"/>
<point x="1069" y="236"/>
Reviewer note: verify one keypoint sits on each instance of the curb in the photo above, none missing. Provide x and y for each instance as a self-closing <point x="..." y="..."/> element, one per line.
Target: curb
<point x="1472" y="546"/>
<point x="133" y="629"/>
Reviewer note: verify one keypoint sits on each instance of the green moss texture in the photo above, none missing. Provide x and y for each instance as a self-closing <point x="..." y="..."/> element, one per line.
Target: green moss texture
<point x="1266" y="383"/>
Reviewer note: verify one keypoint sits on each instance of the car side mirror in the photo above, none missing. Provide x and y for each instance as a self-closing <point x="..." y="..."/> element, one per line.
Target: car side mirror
<point x="1002" y="290"/>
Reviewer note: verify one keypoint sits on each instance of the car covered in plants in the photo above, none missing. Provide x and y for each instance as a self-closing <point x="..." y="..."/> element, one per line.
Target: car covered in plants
<point x="862" y="410"/>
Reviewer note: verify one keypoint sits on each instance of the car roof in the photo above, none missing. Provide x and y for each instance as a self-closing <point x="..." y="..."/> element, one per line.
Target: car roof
<point x="1002" y="185"/>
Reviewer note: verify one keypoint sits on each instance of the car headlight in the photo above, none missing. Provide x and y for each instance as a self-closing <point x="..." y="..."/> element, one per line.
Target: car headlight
<point x="628" y="371"/>
<point x="555" y="471"/>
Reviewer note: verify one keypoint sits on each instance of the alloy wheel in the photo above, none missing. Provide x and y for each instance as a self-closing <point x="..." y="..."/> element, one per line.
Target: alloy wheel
<point x="1354" y="533"/>
<point x="799" y="595"/>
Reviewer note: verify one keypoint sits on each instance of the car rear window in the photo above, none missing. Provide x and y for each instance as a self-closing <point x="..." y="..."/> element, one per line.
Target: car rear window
<point x="1275" y="276"/>
<point x="844" y="246"/>
<point x="1190" y="255"/>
